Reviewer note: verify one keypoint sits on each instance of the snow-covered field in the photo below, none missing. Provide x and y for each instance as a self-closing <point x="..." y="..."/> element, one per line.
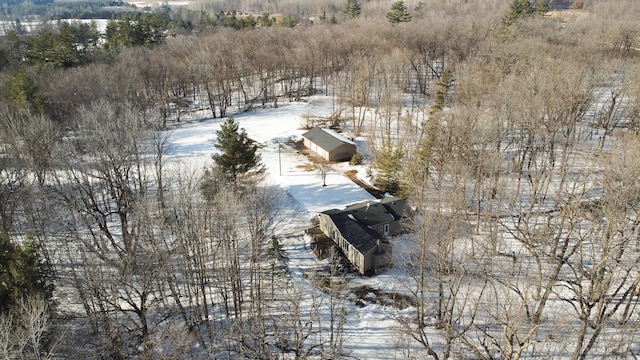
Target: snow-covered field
<point x="152" y="3"/>
<point x="271" y="128"/>
<point x="370" y="330"/>
<point x="35" y="25"/>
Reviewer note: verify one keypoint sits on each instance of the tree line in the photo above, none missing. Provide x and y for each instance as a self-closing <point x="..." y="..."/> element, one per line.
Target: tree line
<point x="514" y="134"/>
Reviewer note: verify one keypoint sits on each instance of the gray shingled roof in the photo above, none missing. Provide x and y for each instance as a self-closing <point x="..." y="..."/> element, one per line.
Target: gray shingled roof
<point x="396" y="206"/>
<point x="354" y="221"/>
<point x="357" y="233"/>
<point x="326" y="138"/>
<point x="370" y="212"/>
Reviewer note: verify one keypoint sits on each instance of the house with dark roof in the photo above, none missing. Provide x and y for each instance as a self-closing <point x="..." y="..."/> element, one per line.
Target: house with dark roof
<point x="329" y="144"/>
<point x="362" y="230"/>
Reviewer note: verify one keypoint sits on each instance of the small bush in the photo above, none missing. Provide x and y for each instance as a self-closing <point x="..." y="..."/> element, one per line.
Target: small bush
<point x="356" y="159"/>
<point x="578" y="4"/>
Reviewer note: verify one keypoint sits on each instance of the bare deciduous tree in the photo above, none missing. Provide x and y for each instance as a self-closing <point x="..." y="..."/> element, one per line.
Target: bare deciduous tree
<point x="108" y="189"/>
<point x="26" y="331"/>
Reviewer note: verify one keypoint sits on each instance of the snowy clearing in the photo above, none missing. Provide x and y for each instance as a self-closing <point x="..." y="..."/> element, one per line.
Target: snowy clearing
<point x="370" y="331"/>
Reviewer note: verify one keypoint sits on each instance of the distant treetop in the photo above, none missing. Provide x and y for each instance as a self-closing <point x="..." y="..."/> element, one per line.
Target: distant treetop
<point x="398" y="13"/>
<point x="34" y="2"/>
<point x="352" y="9"/>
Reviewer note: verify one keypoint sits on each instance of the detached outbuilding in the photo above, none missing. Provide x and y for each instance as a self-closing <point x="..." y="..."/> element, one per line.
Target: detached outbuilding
<point x="329" y="144"/>
<point x="361" y="230"/>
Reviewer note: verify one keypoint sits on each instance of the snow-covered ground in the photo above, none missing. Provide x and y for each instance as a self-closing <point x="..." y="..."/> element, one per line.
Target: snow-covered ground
<point x="272" y="128"/>
<point x="153" y="3"/>
<point x="370" y="330"/>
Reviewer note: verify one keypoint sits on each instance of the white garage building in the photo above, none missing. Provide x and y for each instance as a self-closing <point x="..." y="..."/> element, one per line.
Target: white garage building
<point x="329" y="144"/>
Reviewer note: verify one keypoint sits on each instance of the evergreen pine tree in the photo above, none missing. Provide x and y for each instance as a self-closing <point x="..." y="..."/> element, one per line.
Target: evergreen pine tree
<point x="352" y="9"/>
<point x="542" y="6"/>
<point x="389" y="165"/>
<point x="398" y="13"/>
<point x="517" y="10"/>
<point x="443" y="86"/>
<point x="22" y="273"/>
<point x="520" y="9"/>
<point x="237" y="152"/>
<point x="419" y="168"/>
<point x="23" y="91"/>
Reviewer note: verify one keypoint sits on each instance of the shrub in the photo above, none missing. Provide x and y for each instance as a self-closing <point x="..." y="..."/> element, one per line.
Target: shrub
<point x="356" y="159"/>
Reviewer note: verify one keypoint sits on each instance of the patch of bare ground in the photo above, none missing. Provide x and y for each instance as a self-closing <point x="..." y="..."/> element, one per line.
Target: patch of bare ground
<point x="321" y="244"/>
<point x="307" y="167"/>
<point x="568" y="16"/>
<point x="377" y="193"/>
<point x="313" y="157"/>
<point x="366" y="294"/>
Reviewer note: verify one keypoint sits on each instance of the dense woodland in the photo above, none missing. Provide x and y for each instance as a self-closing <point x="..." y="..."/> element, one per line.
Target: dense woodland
<point x="514" y="132"/>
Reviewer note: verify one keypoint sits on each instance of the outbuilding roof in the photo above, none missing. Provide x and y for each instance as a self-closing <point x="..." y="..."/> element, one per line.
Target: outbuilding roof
<point x="327" y="139"/>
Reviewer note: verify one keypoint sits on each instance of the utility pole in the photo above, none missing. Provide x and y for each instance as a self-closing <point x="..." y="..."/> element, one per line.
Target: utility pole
<point x="323" y="174"/>
<point x="279" y="158"/>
